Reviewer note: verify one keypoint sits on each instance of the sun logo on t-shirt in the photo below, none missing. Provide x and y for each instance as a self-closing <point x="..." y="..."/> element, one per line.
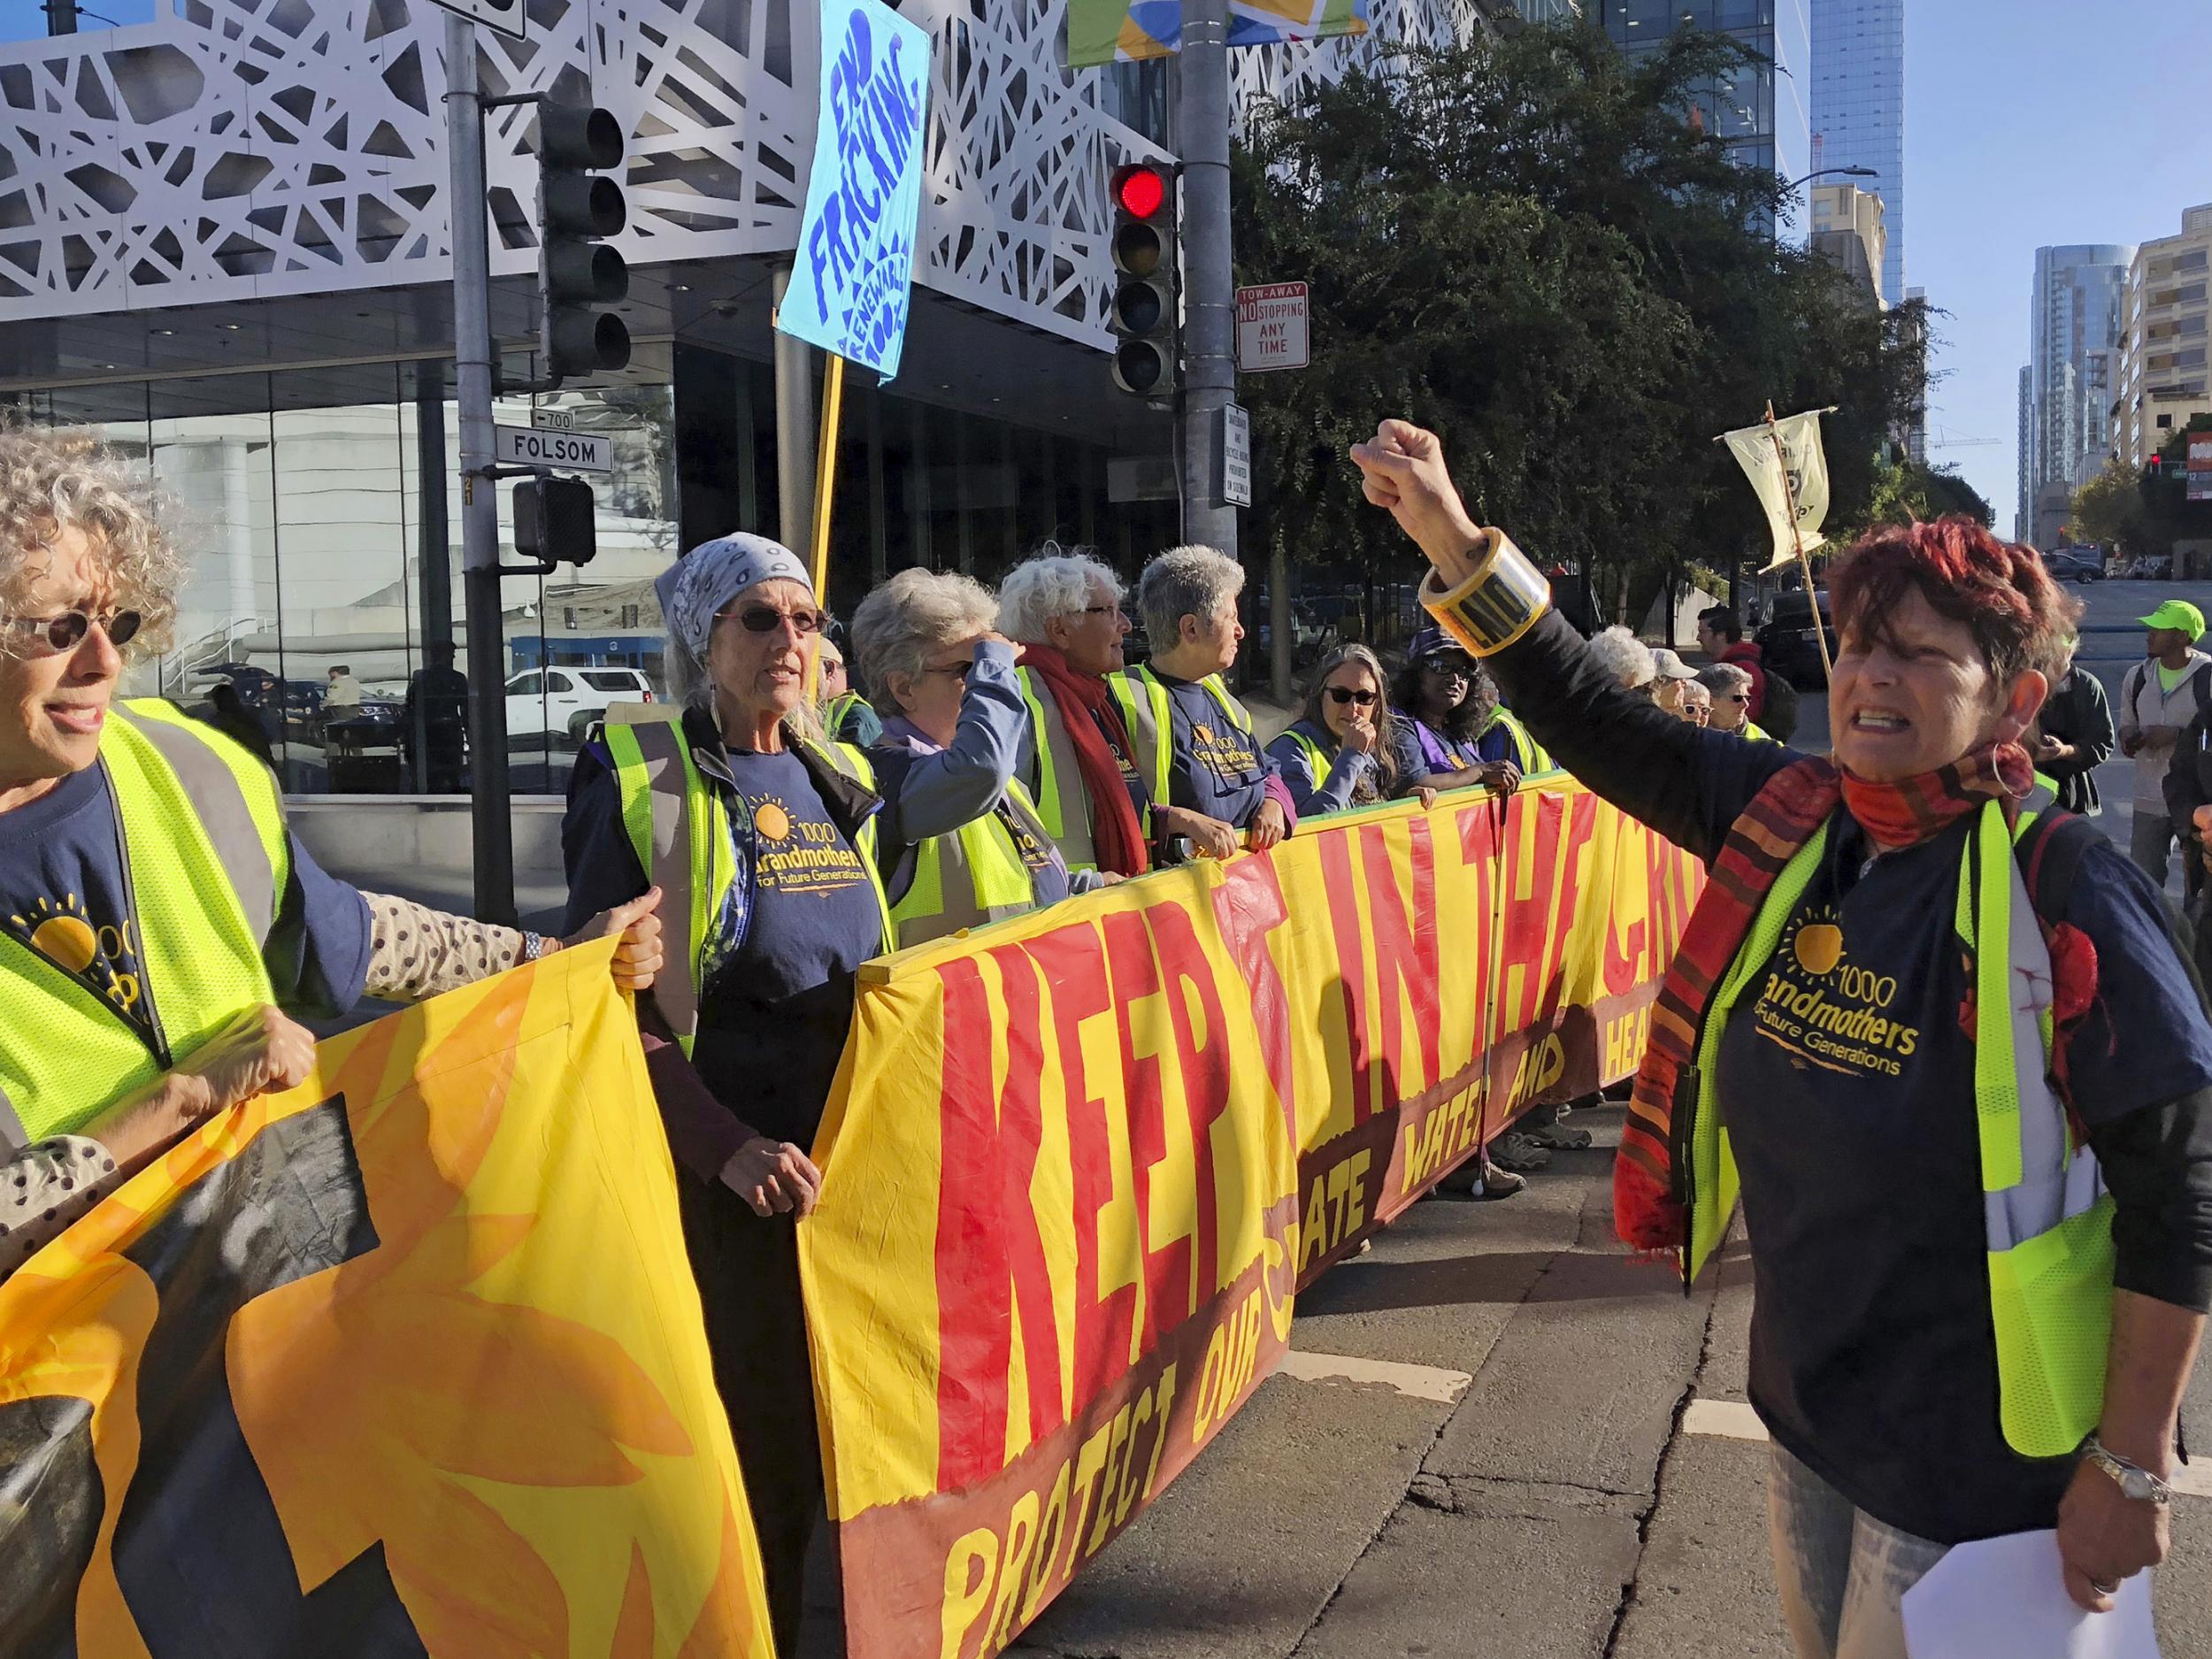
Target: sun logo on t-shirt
<point x="771" y="821"/>
<point x="59" y="934"/>
<point x="1818" y="947"/>
<point x="1204" y="734"/>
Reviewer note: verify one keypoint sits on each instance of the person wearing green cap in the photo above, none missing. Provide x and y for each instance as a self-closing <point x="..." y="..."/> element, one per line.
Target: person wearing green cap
<point x="2159" y="697"/>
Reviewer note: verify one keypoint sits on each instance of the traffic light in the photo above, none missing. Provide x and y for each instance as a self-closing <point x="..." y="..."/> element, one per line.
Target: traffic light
<point x="554" y="521"/>
<point x="1143" y="311"/>
<point x="578" y="206"/>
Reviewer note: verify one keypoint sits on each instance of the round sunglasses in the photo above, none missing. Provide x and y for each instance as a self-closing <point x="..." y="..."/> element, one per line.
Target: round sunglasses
<point x="66" y="632"/>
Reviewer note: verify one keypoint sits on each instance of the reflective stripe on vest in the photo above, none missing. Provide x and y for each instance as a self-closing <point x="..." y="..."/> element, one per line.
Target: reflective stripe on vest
<point x="2045" y="1215"/>
<point x="207" y="862"/>
<point x="1144" y="701"/>
<point x="682" y="850"/>
<point x="1063" y="804"/>
<point x="971" y="877"/>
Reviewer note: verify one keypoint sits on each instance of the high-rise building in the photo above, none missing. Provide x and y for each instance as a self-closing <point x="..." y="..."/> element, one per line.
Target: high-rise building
<point x="1849" y="226"/>
<point x="1858" y="111"/>
<point x="2164" y="379"/>
<point x="2074" y="338"/>
<point x="1761" y="110"/>
<point x="2024" y="507"/>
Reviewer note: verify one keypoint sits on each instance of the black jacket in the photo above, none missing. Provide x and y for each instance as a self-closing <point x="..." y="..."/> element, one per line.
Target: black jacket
<point x="2078" y="713"/>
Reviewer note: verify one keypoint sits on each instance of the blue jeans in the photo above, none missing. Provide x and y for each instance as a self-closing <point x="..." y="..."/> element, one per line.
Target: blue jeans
<point x="1842" y="1574"/>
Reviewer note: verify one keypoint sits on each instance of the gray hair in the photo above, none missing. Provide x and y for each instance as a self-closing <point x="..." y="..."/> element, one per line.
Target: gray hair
<point x="1626" y="659"/>
<point x="1184" y="581"/>
<point x="52" y="481"/>
<point x="1052" y="582"/>
<point x="916" y="612"/>
<point x="1724" y="677"/>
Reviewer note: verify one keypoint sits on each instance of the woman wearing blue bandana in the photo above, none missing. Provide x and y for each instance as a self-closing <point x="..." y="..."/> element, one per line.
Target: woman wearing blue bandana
<point x="765" y="833"/>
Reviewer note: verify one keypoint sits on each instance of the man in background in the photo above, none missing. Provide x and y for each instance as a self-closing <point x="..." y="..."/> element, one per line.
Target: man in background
<point x="2159" y="697"/>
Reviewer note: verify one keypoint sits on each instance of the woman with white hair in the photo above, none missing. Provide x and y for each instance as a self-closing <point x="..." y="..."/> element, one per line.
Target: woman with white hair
<point x="1732" y="691"/>
<point x="164" y="929"/>
<point x="762" y="835"/>
<point x="1194" y="742"/>
<point x="964" y="846"/>
<point x="1626" y="659"/>
<point x="1076" y="760"/>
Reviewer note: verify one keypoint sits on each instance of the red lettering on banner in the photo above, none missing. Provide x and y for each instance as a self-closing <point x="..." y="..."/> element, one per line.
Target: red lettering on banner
<point x="1248" y="905"/>
<point x="1073" y="963"/>
<point x="990" y="1256"/>
<point x="1404" y="946"/>
<point x="1204" y="1065"/>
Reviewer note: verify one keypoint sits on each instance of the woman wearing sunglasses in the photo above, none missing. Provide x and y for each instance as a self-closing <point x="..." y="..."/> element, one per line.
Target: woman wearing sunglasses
<point x="764" y="836"/>
<point x="1337" y="754"/>
<point x="1450" y="732"/>
<point x="160" y="926"/>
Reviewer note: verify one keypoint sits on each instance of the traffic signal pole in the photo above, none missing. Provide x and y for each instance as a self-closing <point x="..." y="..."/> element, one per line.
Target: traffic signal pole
<point x="1209" y="366"/>
<point x="489" y="806"/>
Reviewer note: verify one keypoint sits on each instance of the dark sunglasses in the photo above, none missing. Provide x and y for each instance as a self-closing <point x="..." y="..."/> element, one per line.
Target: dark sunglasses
<point x="767" y="619"/>
<point x="1342" y="695"/>
<point x="1449" y="665"/>
<point x="66" y="632"/>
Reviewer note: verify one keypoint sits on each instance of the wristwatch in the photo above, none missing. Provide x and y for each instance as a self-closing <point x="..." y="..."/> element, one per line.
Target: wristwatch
<point x="2135" y="1482"/>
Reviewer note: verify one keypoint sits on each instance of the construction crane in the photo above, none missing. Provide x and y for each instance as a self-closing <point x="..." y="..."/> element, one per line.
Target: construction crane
<point x="1962" y="443"/>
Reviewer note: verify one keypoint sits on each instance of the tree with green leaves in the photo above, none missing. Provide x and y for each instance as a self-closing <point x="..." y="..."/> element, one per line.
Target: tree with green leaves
<point x="1526" y="245"/>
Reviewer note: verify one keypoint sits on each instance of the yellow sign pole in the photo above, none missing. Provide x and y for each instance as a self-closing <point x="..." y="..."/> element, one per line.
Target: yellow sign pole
<point x="825" y="486"/>
<point x="1804" y="561"/>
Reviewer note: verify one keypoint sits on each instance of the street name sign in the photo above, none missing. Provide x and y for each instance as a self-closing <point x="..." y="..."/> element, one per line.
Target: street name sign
<point x="1274" y="328"/>
<point x="537" y="446"/>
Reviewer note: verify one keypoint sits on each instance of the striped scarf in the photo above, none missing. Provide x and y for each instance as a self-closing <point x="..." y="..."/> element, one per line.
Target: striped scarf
<point x="1648" y="1209"/>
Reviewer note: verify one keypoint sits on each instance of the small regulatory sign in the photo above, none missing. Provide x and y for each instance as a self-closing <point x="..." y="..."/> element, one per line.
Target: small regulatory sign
<point x="1274" y="328"/>
<point x="1236" y="456"/>
<point x="534" y="446"/>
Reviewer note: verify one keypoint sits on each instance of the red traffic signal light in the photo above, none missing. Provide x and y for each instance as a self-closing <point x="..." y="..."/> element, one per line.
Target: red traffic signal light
<point x="1139" y="190"/>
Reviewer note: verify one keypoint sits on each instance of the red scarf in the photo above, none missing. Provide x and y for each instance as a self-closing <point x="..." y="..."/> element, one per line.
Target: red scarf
<point x="1647" y="1209"/>
<point x="1086" y="707"/>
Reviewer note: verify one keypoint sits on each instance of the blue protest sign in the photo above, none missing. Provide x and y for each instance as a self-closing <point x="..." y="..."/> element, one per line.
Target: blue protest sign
<point x="856" y="260"/>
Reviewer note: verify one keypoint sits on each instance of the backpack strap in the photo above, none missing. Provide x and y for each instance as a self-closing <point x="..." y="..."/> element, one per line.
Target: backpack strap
<point x="2050" y="851"/>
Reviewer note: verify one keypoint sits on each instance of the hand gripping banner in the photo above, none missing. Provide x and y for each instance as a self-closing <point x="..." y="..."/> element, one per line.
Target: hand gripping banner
<point x="406" y="1361"/>
<point x="1077" y="1164"/>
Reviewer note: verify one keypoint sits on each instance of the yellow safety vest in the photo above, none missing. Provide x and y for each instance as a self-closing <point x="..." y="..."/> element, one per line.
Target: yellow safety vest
<point x="973" y="876"/>
<point x="1062" y="803"/>
<point x="681" y="829"/>
<point x="1143" y="701"/>
<point x="1528" y="754"/>
<point x="2046" y="1215"/>
<point x="205" y="863"/>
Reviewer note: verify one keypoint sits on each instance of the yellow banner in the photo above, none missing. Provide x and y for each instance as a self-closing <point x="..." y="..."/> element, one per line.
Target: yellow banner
<point x="406" y="1360"/>
<point x="1076" y="1166"/>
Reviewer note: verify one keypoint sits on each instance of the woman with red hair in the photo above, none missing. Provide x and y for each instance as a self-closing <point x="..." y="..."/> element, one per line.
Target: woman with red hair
<point x="1945" y="1047"/>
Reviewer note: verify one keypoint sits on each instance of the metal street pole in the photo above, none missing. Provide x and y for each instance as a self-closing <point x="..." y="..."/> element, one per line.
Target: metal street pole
<point x="795" y="432"/>
<point x="480" y="502"/>
<point x="1210" y="367"/>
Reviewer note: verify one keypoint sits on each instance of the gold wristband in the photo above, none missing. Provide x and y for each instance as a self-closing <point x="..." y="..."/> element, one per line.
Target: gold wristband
<point x="1495" y="606"/>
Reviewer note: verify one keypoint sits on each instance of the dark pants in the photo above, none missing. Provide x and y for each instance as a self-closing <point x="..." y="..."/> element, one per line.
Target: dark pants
<point x="749" y="1281"/>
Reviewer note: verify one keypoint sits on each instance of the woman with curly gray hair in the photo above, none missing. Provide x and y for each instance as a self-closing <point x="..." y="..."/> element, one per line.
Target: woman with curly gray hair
<point x="159" y="926"/>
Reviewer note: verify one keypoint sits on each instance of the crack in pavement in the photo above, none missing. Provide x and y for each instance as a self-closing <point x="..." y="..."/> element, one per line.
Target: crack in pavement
<point x="1467" y="1494"/>
<point x="1643" y="1516"/>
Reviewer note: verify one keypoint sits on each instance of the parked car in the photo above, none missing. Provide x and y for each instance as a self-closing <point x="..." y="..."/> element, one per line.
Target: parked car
<point x="2075" y="564"/>
<point x="563" y="701"/>
<point x="1787" y="643"/>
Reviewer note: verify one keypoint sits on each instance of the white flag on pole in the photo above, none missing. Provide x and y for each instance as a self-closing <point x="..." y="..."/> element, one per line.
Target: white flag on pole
<point x="1806" y="482"/>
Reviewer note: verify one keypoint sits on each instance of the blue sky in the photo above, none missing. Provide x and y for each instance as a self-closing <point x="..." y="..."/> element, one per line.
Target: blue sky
<point x="2030" y="122"/>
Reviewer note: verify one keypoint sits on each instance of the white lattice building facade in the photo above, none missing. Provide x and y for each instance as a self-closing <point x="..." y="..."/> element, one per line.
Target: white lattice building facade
<point x="225" y="240"/>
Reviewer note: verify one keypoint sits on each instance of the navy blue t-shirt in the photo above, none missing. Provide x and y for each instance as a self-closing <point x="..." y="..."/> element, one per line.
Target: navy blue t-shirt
<point x="64" y="893"/>
<point x="1217" y="767"/>
<point x="1873" y="1356"/>
<point x="814" y="913"/>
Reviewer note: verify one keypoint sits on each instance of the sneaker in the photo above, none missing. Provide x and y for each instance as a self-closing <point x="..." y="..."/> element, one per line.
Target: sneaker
<point x="1516" y="1153"/>
<point x="1499" y="1183"/>
<point x="1558" y="1139"/>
